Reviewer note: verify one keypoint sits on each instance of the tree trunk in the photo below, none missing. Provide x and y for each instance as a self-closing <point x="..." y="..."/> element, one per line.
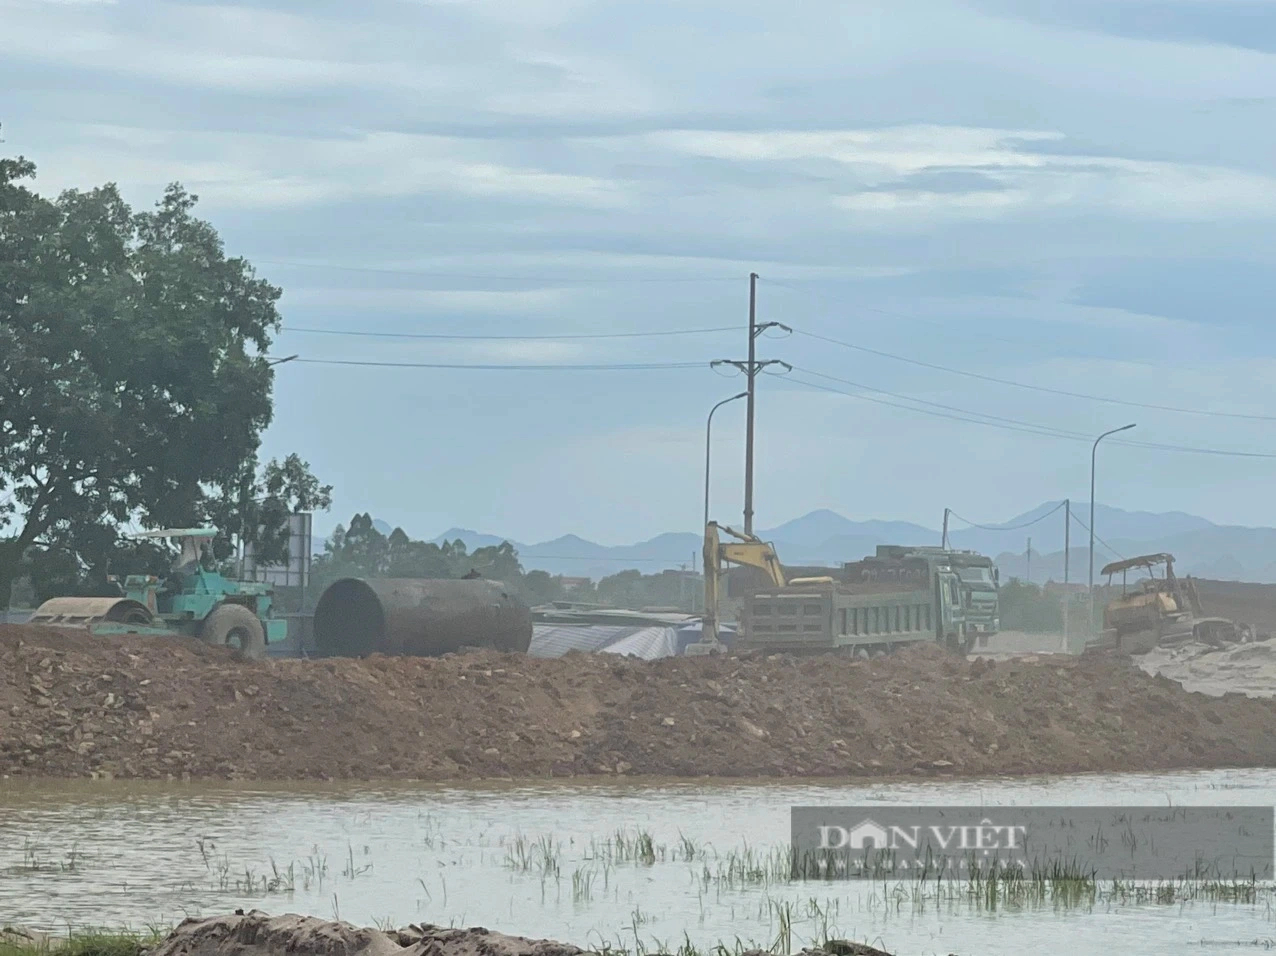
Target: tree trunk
<point x="11" y="552"/>
<point x="10" y="562"/>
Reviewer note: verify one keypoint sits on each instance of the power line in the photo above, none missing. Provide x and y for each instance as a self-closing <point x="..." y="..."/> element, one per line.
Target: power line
<point x="1040" y="430"/>
<point x="1107" y="547"/>
<point x="956" y="413"/>
<point x="507" y="338"/>
<point x="939" y="405"/>
<point x="1017" y="527"/>
<point x="1034" y="388"/>
<point x="937" y="321"/>
<point x="630" y="367"/>
<point x="428" y="274"/>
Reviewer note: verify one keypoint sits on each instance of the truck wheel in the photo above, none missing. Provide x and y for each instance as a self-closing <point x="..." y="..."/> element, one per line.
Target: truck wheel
<point x="231" y="625"/>
<point x="958" y="644"/>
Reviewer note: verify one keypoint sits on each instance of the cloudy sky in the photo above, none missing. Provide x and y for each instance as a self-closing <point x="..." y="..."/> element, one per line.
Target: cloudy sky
<point x="1072" y="195"/>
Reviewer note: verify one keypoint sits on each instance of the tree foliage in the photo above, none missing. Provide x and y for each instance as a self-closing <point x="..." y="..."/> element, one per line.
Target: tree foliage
<point x="360" y="550"/>
<point x="633" y="589"/>
<point x="134" y="383"/>
<point x="1027" y="607"/>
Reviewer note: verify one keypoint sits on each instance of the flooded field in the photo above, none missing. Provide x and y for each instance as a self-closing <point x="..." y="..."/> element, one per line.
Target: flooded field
<point x="638" y="868"/>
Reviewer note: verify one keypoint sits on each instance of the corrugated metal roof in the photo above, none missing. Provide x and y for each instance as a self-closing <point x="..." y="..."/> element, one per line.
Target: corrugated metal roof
<point x="649" y="643"/>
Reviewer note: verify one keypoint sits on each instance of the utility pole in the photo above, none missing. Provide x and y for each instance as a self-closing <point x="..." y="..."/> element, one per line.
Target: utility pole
<point x="750" y="368"/>
<point x="1029" y="572"/>
<point x="748" y="428"/>
<point x="1067" y="537"/>
<point x="1067" y="592"/>
<point x="943" y="541"/>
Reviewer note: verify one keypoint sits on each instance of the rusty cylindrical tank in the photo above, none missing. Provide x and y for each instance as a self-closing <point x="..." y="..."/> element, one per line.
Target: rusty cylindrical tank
<point x="419" y="618"/>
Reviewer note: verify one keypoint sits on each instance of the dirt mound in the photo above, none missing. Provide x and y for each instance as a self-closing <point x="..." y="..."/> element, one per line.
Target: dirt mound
<point x="1243" y="602"/>
<point x="256" y="934"/>
<point x="74" y="705"/>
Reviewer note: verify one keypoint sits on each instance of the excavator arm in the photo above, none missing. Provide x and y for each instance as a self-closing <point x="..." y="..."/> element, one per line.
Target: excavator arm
<point x="746" y="550"/>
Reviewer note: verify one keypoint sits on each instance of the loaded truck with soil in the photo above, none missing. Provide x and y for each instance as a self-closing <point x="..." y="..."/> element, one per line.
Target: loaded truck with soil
<point x="979" y="582"/>
<point x="864" y="608"/>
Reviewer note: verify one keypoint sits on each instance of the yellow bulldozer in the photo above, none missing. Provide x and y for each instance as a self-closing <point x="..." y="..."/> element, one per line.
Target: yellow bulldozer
<point x="1164" y="609"/>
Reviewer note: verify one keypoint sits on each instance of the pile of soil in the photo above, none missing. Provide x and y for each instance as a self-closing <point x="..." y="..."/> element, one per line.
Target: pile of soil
<point x="76" y="705"/>
<point x="1240" y="601"/>
<point x="256" y="934"/>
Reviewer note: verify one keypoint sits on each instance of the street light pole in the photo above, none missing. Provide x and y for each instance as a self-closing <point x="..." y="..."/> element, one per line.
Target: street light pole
<point x="748" y="425"/>
<point x="1094" y="450"/>
<point x="708" y="434"/>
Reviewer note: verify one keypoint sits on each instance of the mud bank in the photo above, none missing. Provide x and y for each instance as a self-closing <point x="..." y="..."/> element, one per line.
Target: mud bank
<point x="256" y="934"/>
<point x="73" y="706"/>
<point x="1249" y="669"/>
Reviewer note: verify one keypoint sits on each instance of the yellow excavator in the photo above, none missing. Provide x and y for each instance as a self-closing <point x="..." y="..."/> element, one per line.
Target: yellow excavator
<point x="747" y="550"/>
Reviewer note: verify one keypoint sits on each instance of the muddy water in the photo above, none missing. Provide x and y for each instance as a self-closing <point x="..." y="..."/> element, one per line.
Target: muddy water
<point x="1235" y="669"/>
<point x="106" y="855"/>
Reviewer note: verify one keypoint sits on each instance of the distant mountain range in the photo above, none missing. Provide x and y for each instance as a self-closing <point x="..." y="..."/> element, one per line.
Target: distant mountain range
<point x="825" y="537"/>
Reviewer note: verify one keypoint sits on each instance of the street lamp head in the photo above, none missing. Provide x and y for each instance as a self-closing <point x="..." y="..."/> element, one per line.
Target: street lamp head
<point x="1126" y="428"/>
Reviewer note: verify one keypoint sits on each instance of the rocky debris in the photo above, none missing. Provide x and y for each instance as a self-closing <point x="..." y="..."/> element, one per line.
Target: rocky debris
<point x="257" y="934"/>
<point x="73" y="705"/>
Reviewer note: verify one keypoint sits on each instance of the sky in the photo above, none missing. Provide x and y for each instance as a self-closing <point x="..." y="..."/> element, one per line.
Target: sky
<point x="939" y="196"/>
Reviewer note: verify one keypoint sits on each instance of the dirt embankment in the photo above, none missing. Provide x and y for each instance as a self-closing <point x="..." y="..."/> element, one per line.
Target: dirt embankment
<point x="256" y="934"/>
<point x="72" y="705"/>
<point x="1245" y="603"/>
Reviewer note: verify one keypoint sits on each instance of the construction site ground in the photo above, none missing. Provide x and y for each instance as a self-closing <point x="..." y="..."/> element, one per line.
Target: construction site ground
<point x="72" y="705"/>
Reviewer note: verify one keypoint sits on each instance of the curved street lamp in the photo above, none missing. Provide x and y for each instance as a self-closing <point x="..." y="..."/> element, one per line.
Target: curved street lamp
<point x="708" y="433"/>
<point x="1094" y="450"/>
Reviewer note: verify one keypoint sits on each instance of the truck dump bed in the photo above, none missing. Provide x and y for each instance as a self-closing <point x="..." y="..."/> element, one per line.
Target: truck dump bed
<point x="829" y="617"/>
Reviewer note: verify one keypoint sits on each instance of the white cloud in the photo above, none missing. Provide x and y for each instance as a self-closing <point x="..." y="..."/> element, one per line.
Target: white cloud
<point x="876" y="163"/>
<point x="259" y="171"/>
<point x="527" y="351"/>
<point x="524" y="13"/>
<point x="370" y="301"/>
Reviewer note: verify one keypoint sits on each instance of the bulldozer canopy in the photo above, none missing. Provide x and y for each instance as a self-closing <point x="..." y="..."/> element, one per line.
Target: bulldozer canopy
<point x="1148" y="561"/>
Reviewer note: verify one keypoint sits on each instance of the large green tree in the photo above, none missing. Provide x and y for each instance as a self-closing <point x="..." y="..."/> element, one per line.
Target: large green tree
<point x="134" y="383"/>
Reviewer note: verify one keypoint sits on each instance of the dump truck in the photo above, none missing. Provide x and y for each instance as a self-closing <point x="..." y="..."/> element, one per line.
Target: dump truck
<point x="979" y="578"/>
<point x="1160" y="610"/>
<point x="191" y="601"/>
<point x="864" y="608"/>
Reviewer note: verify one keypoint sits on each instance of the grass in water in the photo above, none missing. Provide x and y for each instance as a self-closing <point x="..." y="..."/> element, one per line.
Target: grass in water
<point x="88" y="943"/>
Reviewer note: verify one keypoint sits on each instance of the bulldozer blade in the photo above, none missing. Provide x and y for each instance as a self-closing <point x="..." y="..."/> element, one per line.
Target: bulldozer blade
<point x="85" y="612"/>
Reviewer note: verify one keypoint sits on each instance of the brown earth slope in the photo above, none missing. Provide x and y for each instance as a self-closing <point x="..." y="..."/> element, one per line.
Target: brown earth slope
<point x="72" y="705"/>
<point x="257" y="934"/>
<point x="1252" y="604"/>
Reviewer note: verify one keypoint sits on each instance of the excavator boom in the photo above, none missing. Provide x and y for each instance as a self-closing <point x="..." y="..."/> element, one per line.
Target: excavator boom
<point x="745" y="550"/>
